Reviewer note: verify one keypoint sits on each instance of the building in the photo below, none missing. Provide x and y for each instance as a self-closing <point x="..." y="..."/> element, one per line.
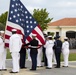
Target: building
<point x="65" y="27"/>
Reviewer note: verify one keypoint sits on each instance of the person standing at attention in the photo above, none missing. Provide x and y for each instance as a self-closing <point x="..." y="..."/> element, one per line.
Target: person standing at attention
<point x="2" y="52"/>
<point x="58" y="48"/>
<point x="65" y="51"/>
<point x="15" y="44"/>
<point x="49" y="51"/>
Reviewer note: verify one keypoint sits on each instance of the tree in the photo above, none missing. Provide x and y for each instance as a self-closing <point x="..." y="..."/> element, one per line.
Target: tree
<point x="41" y="17"/>
<point x="2" y="27"/>
<point x="3" y="19"/>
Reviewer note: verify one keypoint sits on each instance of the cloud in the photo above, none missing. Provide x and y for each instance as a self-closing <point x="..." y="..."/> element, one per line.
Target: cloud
<point x="56" y="8"/>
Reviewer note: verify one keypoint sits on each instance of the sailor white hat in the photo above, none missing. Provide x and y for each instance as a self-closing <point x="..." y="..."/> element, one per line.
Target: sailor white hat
<point x="65" y="37"/>
<point x="2" y="31"/>
<point x="14" y="30"/>
<point x="49" y="36"/>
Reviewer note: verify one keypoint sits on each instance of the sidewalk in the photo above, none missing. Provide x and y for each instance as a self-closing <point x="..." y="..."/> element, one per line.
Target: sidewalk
<point x="71" y="70"/>
<point x="73" y="50"/>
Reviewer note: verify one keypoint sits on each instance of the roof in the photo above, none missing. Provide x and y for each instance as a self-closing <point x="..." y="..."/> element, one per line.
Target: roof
<point x="64" y="22"/>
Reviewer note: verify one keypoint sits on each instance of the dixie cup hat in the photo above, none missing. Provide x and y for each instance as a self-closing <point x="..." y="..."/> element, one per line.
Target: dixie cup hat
<point x="1" y="31"/>
<point x="14" y="30"/>
<point x="65" y="38"/>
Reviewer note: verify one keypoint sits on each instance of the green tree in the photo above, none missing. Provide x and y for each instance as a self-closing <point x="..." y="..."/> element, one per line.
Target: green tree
<point x="2" y="27"/>
<point x="3" y="18"/>
<point x="42" y="18"/>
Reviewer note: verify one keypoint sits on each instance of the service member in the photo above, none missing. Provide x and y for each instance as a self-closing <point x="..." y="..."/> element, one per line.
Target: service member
<point x="2" y="52"/>
<point x="33" y="45"/>
<point x="49" y="51"/>
<point x="65" y="51"/>
<point x="15" y="44"/>
<point x="58" y="48"/>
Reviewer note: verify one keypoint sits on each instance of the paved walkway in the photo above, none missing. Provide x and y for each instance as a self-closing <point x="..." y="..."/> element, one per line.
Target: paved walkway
<point x="73" y="50"/>
<point x="71" y="70"/>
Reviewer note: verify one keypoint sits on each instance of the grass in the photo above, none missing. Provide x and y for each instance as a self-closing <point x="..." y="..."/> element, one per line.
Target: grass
<point x="72" y="56"/>
<point x="8" y="55"/>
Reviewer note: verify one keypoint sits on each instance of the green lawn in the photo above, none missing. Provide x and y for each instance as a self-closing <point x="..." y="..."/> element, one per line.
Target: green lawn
<point x="72" y="56"/>
<point x="8" y="55"/>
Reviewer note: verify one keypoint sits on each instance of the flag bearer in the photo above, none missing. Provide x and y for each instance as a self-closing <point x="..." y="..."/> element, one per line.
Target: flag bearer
<point x="33" y="45"/>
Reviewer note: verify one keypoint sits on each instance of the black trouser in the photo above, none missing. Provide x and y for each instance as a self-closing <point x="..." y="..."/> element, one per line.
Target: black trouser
<point x="58" y="54"/>
<point x="44" y="57"/>
<point x="22" y="60"/>
<point x="34" y="61"/>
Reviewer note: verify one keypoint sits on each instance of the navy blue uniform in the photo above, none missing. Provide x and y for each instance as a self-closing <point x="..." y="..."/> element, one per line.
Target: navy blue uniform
<point x="44" y="57"/>
<point x="22" y="57"/>
<point x="57" y="48"/>
<point x="33" y="53"/>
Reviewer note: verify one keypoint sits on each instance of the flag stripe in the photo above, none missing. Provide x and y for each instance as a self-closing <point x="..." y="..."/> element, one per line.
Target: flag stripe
<point x="38" y="29"/>
<point x="7" y="36"/>
<point x="10" y="26"/>
<point x="6" y="44"/>
<point x="10" y="29"/>
<point x="29" y="38"/>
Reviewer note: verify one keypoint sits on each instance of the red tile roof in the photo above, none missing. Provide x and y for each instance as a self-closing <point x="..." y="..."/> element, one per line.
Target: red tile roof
<point x="64" y="22"/>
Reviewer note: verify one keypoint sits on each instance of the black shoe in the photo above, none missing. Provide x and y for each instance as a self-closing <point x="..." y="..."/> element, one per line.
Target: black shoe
<point x="48" y="68"/>
<point x="57" y="67"/>
<point x="39" y="66"/>
<point x="13" y="72"/>
<point x="0" y="69"/>
<point x="32" y="69"/>
<point x="4" y="69"/>
<point x="64" y="66"/>
<point x="23" y="68"/>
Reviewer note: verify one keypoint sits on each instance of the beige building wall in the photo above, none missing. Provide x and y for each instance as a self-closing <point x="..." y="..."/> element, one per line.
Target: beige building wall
<point x="61" y="29"/>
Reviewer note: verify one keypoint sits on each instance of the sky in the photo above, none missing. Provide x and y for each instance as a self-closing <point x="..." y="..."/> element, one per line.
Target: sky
<point x="57" y="9"/>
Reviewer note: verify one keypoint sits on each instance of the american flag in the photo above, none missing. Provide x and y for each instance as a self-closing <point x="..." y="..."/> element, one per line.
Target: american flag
<point x="19" y="18"/>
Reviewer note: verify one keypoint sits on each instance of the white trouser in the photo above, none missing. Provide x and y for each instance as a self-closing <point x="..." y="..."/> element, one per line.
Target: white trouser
<point x="28" y="54"/>
<point x="4" y="59"/>
<point x="1" y="60"/>
<point x="49" y="59"/>
<point x="39" y="57"/>
<point x="15" y="61"/>
<point x="66" y="56"/>
<point x="54" y="58"/>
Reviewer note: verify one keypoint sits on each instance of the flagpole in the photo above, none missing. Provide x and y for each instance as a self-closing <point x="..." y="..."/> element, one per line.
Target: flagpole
<point x="6" y="22"/>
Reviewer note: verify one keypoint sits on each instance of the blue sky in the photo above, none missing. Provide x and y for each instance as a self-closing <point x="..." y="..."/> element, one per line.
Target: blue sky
<point x="57" y="9"/>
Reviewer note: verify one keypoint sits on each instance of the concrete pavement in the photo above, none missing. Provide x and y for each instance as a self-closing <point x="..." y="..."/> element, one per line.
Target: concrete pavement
<point x="71" y="70"/>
